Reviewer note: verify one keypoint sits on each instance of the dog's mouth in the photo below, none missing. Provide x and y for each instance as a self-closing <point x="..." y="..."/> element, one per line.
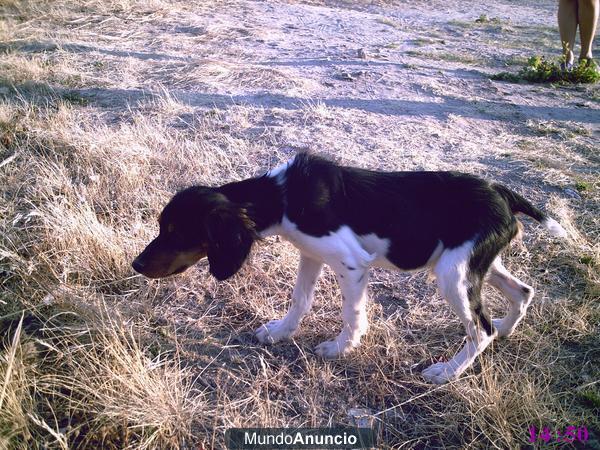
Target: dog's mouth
<point x="165" y="265"/>
<point x="179" y="270"/>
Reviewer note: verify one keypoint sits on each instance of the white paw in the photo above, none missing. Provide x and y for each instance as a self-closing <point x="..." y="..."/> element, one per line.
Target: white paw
<point x="274" y="331"/>
<point x="439" y="373"/>
<point x="331" y="349"/>
<point x="503" y="330"/>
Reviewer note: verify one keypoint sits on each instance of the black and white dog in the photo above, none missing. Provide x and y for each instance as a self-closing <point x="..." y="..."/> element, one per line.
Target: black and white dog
<point x="351" y="219"/>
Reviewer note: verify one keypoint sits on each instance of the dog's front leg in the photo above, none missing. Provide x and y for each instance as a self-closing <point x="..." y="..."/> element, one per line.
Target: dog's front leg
<point x="302" y="297"/>
<point x="353" y="283"/>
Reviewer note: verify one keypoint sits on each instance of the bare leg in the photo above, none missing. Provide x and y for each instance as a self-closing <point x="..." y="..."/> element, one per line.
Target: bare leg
<point x="587" y="18"/>
<point x="567" y="25"/>
<point x="518" y="294"/>
<point x="461" y="293"/>
<point x="302" y="298"/>
<point x="353" y="283"/>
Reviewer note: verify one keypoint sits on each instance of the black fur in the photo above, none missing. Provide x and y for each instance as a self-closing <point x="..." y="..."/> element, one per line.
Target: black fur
<point x="214" y="222"/>
<point x="414" y="210"/>
<point x="230" y="237"/>
<point x="518" y="204"/>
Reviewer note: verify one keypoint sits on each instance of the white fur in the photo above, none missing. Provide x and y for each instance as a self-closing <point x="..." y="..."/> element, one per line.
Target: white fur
<point x="451" y="273"/>
<point x="341" y="246"/>
<point x="515" y="292"/>
<point x="377" y="246"/>
<point x="435" y="256"/>
<point x="342" y="251"/>
<point x="353" y="284"/>
<point x="302" y="298"/>
<point x="350" y="256"/>
<point x="554" y="227"/>
<point x="278" y="171"/>
<point x="442" y="372"/>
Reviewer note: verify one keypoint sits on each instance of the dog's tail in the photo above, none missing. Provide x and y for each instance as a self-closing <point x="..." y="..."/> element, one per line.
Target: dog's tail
<point x="518" y="204"/>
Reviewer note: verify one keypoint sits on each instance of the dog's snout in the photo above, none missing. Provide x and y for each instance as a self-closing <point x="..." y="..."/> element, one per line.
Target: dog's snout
<point x="137" y="265"/>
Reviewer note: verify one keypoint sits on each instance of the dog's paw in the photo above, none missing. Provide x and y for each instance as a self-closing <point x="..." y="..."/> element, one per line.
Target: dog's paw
<point x="331" y="349"/>
<point x="274" y="331"/>
<point x="503" y="330"/>
<point x="439" y="373"/>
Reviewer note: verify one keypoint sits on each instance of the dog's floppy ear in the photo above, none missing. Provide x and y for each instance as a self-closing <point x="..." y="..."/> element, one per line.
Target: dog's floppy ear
<point x="230" y="237"/>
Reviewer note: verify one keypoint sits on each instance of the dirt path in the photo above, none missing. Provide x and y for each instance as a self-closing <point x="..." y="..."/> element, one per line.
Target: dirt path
<point x="400" y="80"/>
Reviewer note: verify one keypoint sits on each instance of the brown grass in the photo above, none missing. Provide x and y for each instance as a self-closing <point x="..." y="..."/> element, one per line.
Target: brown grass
<point x="93" y="355"/>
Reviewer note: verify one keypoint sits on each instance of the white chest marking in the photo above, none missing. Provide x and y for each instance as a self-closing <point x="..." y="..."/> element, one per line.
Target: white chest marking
<point x="336" y="248"/>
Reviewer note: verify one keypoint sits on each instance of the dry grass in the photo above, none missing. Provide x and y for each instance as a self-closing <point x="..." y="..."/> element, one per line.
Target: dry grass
<point x="94" y="356"/>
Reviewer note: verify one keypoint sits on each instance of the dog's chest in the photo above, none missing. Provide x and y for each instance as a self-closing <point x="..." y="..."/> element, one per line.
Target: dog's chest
<point x="362" y="250"/>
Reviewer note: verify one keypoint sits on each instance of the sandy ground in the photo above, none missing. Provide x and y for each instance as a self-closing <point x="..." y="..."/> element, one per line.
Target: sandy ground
<point x="421" y="90"/>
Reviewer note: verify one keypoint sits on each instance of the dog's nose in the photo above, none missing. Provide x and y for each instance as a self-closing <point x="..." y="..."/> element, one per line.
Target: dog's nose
<point x="137" y="265"/>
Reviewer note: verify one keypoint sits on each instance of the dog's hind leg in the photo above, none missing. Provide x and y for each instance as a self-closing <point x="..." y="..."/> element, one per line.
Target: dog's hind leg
<point x="461" y="287"/>
<point x="302" y="298"/>
<point x="353" y="283"/>
<point x="518" y="294"/>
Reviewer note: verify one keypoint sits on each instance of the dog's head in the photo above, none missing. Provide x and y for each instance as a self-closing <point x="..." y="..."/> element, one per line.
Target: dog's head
<point x="198" y="222"/>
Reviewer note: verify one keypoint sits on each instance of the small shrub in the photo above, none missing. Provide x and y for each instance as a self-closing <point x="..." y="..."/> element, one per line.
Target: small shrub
<point x="485" y="19"/>
<point x="540" y="70"/>
<point x="582" y="186"/>
<point x="590" y="398"/>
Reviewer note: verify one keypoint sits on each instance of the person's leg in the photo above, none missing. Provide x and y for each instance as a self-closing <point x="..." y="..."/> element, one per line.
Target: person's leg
<point x="567" y="25"/>
<point x="587" y="14"/>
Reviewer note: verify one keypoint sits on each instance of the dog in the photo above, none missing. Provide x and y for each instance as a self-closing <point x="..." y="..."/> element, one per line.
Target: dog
<point x="451" y="223"/>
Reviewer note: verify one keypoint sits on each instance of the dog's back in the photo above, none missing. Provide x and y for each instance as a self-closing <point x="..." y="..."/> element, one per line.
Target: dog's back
<point x="414" y="210"/>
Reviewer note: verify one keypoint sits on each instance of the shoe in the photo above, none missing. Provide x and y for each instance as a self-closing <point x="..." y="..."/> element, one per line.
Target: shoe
<point x="566" y="67"/>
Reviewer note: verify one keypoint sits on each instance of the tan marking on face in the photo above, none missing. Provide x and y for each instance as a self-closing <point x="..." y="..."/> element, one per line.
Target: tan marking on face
<point x="185" y="259"/>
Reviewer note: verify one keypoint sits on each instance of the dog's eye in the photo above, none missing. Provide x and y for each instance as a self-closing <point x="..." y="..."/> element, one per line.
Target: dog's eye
<point x="168" y="229"/>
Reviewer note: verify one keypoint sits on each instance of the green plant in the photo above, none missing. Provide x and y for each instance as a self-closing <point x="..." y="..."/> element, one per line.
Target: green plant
<point x="540" y="70"/>
<point x="485" y="19"/>
<point x="588" y="260"/>
<point x="582" y="186"/>
<point x="590" y="398"/>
